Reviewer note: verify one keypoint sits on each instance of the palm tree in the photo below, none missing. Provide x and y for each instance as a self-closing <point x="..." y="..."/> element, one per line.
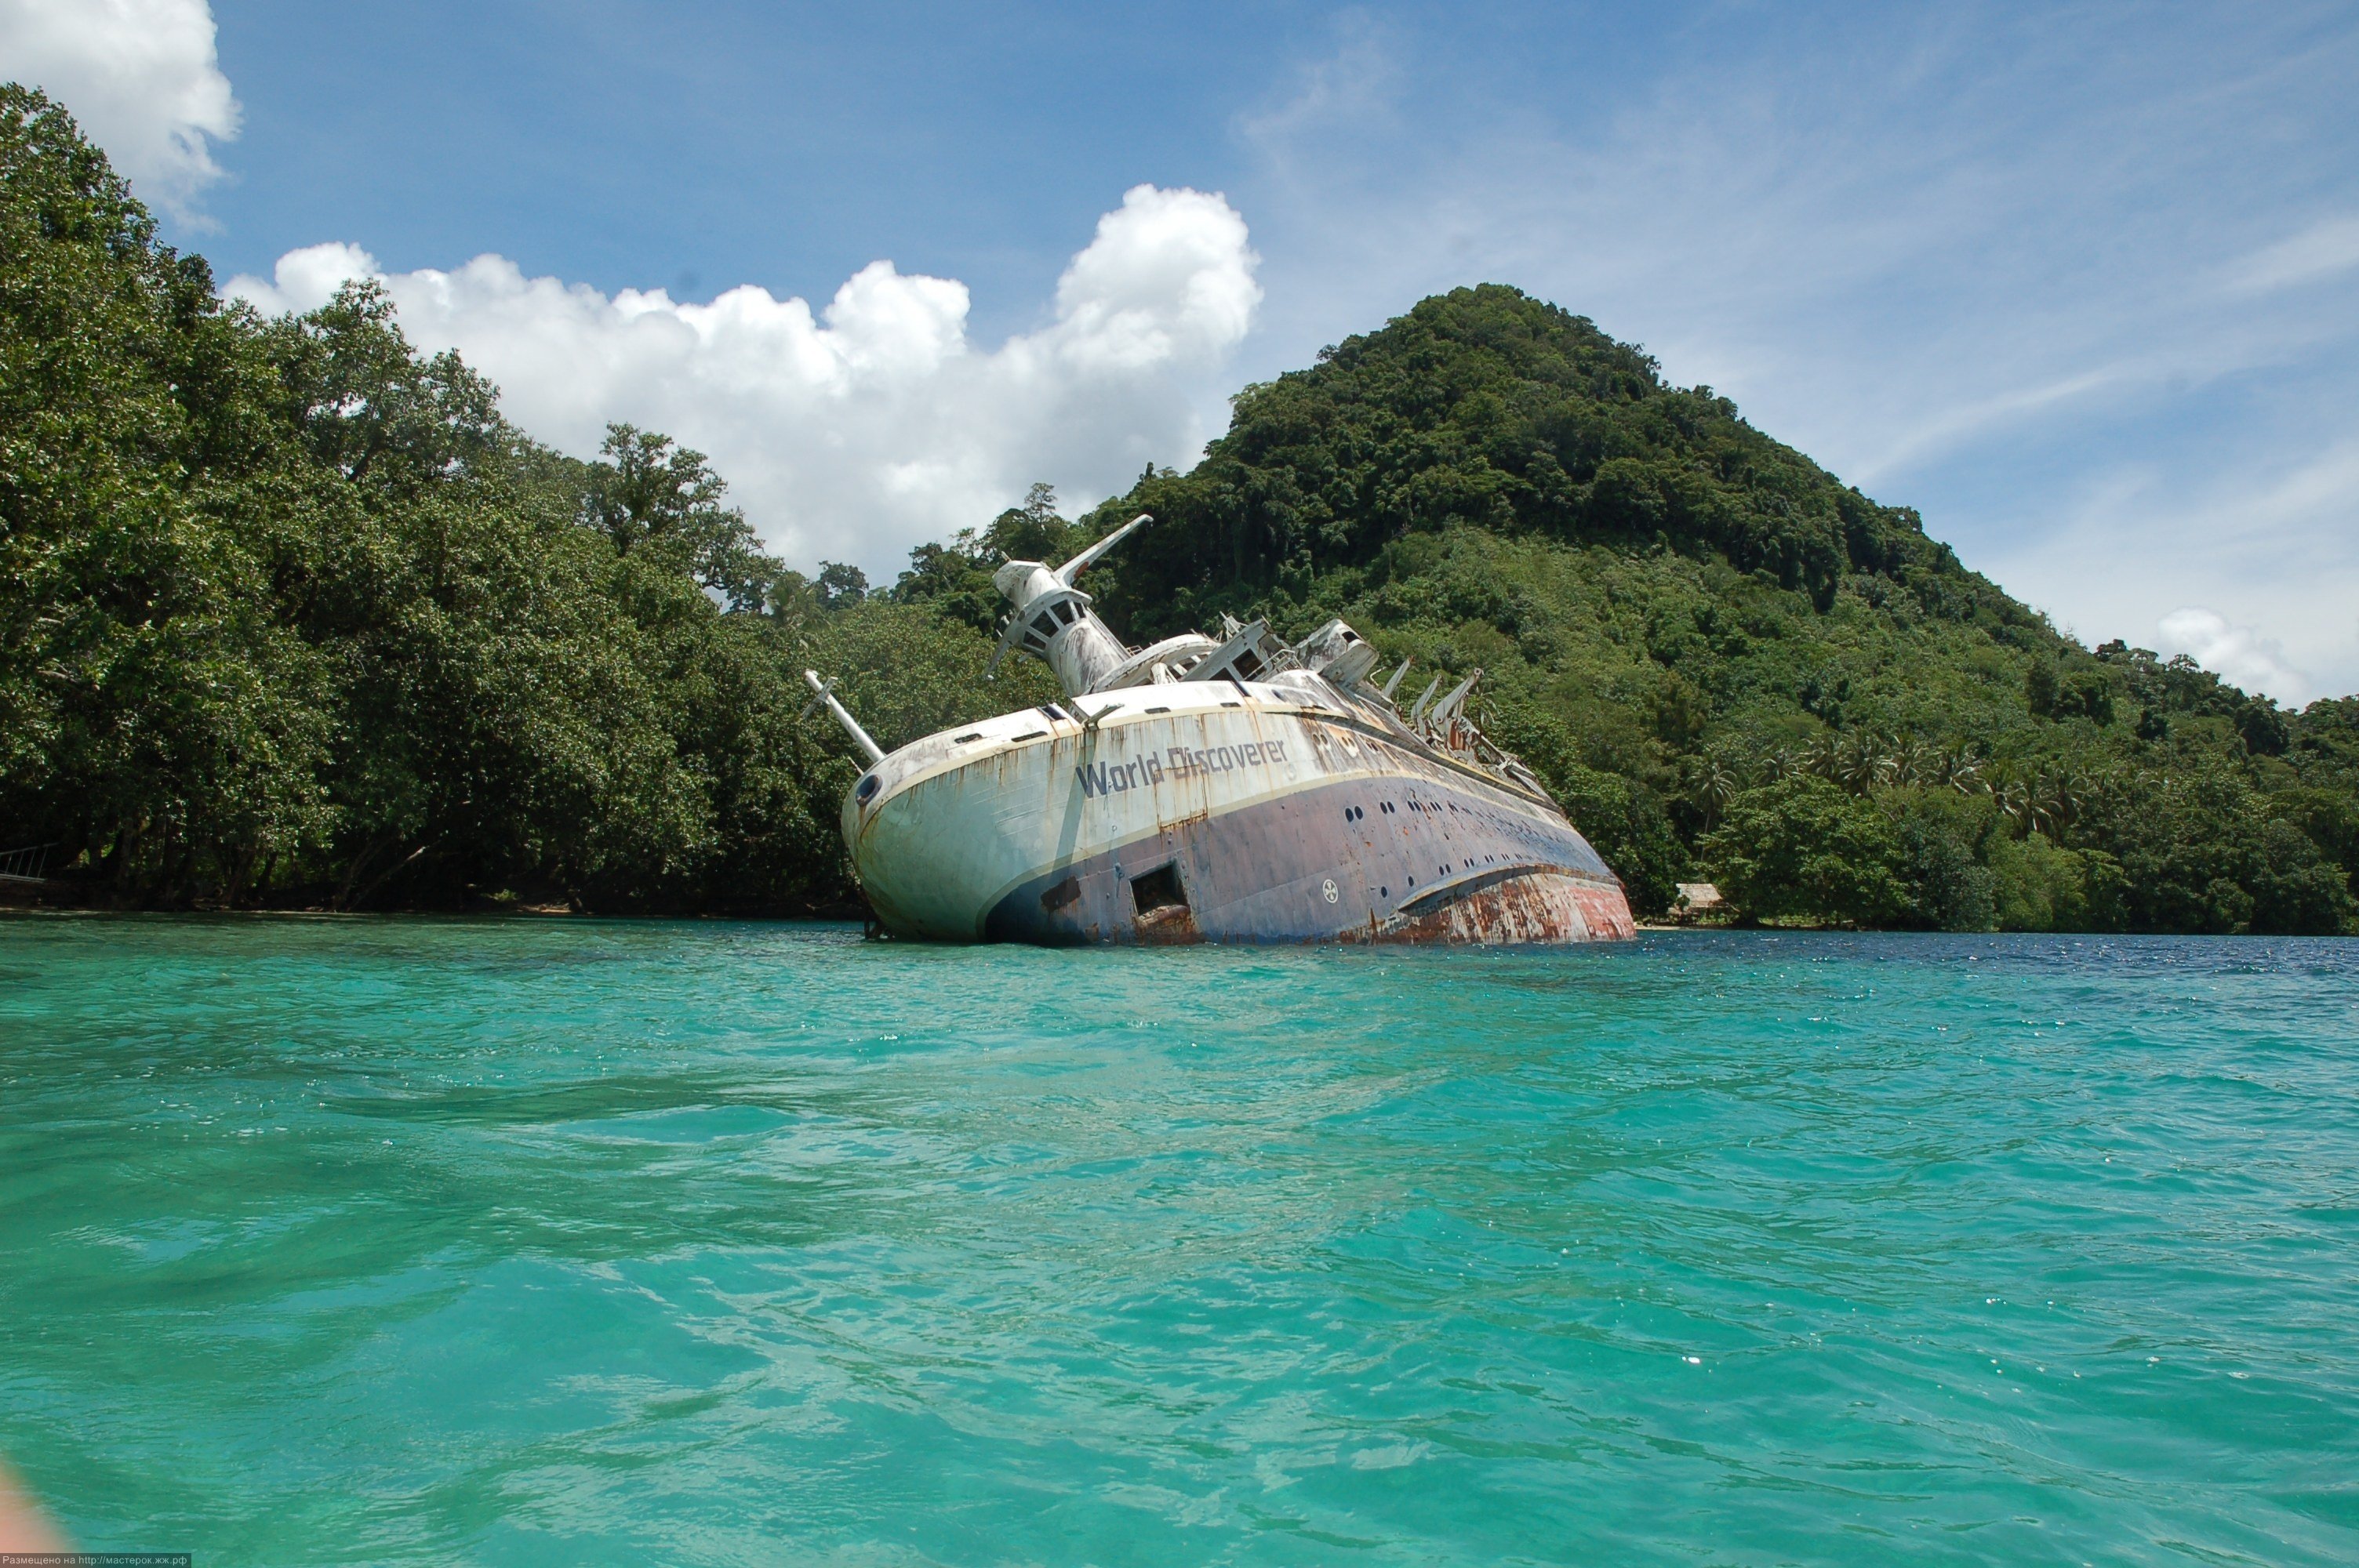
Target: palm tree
<point x="2055" y="799"/>
<point x="1715" y="783"/>
<point x="1861" y="764"/>
<point x="2014" y="802"/>
<point x="1958" y="769"/>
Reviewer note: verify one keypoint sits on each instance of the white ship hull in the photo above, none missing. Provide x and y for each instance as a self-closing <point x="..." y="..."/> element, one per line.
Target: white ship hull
<point x="1215" y="811"/>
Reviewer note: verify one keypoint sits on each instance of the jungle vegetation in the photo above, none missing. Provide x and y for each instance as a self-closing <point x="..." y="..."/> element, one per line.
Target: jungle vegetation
<point x="1727" y="664"/>
<point x="291" y="616"/>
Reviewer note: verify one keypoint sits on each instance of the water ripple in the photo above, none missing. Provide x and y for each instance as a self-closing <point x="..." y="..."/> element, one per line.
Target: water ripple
<point x="360" y="1241"/>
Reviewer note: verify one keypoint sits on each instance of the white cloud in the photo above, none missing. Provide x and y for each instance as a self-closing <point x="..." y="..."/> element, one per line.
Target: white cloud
<point x="2240" y="653"/>
<point x="141" y="78"/>
<point x="873" y="425"/>
<point x="2276" y="564"/>
<point x="2320" y="251"/>
<point x="1341" y="92"/>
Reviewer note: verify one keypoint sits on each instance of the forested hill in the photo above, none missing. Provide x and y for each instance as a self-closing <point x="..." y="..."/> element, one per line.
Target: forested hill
<point x="1729" y="663"/>
<point x="289" y="615"/>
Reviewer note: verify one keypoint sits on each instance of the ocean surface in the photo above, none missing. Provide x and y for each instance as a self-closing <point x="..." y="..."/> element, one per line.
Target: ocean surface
<point x="410" y="1241"/>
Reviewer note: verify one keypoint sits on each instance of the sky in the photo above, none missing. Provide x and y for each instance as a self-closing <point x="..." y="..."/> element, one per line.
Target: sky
<point x="2080" y="283"/>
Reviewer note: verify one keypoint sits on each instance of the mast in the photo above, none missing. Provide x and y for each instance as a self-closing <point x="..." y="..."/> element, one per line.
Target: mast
<point x="823" y="691"/>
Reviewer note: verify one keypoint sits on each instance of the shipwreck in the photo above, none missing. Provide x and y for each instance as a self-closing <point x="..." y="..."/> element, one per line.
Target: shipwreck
<point x="1236" y="788"/>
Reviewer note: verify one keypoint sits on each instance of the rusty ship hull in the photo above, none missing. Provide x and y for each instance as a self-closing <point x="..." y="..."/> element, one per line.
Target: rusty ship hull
<point x="1228" y="811"/>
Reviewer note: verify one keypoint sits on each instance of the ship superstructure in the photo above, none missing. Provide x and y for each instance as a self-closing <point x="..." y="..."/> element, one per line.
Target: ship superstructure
<point x="1237" y="788"/>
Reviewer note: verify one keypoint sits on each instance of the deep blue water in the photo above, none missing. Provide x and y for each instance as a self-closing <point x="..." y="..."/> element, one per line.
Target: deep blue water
<point x="557" y="1242"/>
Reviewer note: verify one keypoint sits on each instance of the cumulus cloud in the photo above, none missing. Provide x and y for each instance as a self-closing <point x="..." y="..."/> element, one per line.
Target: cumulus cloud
<point x="2240" y="653"/>
<point x="857" y="431"/>
<point x="141" y="77"/>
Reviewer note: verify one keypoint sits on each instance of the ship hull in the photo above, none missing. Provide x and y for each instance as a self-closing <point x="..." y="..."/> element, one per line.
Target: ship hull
<point x="1218" y="814"/>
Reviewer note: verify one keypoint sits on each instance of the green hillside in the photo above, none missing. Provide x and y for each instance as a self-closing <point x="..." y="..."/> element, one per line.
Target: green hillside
<point x="289" y="615"/>
<point x="1729" y="663"/>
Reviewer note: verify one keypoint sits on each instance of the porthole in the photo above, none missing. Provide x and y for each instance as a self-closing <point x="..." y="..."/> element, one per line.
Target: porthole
<point x="867" y="788"/>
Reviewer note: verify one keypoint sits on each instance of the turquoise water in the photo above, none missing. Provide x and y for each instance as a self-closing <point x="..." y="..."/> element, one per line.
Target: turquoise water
<point x="567" y="1242"/>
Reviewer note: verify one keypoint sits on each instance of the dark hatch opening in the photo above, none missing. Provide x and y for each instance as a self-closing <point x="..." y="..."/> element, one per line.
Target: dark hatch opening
<point x="1158" y="889"/>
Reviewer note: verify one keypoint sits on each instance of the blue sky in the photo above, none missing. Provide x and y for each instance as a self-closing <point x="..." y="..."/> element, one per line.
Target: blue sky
<point x="2080" y="283"/>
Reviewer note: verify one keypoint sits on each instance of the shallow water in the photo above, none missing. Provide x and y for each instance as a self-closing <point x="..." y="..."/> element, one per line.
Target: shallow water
<point x="355" y="1241"/>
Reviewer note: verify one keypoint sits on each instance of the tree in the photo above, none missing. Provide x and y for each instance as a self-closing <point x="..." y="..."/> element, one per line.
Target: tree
<point x="647" y="494"/>
<point x="1802" y="849"/>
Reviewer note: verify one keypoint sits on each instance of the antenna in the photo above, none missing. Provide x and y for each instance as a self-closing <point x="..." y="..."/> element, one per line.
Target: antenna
<point x="1073" y="568"/>
<point x="1418" y="712"/>
<point x="1449" y="705"/>
<point x="823" y="691"/>
<point x="1009" y="635"/>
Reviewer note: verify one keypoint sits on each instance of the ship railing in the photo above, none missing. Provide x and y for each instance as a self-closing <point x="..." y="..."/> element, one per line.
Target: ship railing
<point x="30" y="864"/>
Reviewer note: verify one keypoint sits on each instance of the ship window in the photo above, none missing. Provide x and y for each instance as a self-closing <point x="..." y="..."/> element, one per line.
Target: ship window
<point x="963" y="739"/>
<point x="1233" y="704"/>
<point x="1158" y="889"/>
<point x="1247" y="664"/>
<point x="1158" y="710"/>
<point x="1045" y="623"/>
<point x="1030" y="735"/>
<point x="1065" y="611"/>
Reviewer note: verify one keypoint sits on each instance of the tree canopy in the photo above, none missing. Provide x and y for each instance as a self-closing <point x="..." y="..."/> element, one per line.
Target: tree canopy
<point x="289" y="613"/>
